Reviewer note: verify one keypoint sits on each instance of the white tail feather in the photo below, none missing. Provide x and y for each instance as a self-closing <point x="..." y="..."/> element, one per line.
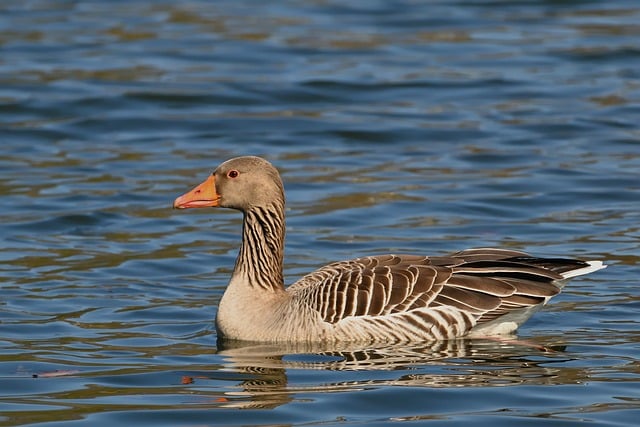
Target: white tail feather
<point x="593" y="266"/>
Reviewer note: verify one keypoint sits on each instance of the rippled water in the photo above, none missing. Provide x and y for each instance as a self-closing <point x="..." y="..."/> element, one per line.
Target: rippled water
<point x="398" y="127"/>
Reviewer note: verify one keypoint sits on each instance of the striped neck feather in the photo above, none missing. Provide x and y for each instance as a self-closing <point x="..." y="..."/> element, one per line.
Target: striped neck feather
<point x="260" y="259"/>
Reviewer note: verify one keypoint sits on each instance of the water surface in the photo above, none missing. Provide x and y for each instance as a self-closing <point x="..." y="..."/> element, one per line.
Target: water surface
<point x="397" y="126"/>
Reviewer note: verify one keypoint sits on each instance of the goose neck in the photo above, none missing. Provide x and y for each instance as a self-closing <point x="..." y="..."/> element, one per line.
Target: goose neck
<point x="260" y="260"/>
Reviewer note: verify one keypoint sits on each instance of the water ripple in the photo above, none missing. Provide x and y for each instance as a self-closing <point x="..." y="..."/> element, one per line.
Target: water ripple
<point x="397" y="126"/>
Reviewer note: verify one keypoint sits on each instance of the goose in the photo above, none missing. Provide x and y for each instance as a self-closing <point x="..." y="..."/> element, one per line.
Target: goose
<point x="377" y="298"/>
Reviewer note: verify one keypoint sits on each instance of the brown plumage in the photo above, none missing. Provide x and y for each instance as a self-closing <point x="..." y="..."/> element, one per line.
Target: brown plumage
<point x="376" y="298"/>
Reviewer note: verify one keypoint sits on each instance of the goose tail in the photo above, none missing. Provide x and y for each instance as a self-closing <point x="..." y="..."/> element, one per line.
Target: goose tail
<point x="589" y="268"/>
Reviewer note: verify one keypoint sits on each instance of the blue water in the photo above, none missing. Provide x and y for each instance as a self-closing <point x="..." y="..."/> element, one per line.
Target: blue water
<point x="420" y="127"/>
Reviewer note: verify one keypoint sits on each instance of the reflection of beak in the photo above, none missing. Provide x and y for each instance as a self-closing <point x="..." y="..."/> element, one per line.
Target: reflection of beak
<point x="203" y="196"/>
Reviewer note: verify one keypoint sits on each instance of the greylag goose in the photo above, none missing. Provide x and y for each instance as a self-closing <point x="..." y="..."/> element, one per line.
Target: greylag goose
<point x="391" y="298"/>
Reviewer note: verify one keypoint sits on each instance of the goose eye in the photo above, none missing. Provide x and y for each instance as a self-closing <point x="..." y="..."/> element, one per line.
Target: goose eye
<point x="233" y="173"/>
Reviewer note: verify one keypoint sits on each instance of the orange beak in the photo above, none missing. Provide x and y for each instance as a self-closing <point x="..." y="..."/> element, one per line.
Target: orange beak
<point x="203" y="196"/>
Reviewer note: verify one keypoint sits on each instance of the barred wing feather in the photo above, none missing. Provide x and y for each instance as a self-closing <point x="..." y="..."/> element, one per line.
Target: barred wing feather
<point x="482" y="285"/>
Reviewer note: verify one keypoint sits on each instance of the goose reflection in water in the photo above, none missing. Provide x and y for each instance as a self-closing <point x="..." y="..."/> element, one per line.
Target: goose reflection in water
<point x="262" y="370"/>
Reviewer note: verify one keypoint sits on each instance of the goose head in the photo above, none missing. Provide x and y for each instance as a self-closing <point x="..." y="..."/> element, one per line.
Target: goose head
<point x="240" y="183"/>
